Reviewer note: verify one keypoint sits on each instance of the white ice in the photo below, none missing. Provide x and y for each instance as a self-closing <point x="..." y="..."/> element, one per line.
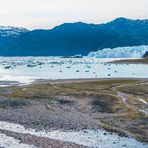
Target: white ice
<point x="120" y="52"/>
<point x="91" y="138"/>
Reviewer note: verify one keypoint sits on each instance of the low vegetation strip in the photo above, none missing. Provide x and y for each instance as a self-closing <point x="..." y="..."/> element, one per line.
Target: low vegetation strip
<point x="131" y="61"/>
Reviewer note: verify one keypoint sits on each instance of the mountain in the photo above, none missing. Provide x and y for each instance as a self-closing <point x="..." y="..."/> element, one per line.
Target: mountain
<point x="9" y="34"/>
<point x="7" y="31"/>
<point x="77" y="38"/>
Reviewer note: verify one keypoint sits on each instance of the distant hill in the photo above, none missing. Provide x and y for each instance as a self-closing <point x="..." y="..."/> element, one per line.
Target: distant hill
<point x="8" y="33"/>
<point x="74" y="38"/>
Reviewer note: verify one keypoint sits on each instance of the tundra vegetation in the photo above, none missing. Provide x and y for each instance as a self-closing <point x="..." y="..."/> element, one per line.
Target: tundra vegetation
<point x="117" y="105"/>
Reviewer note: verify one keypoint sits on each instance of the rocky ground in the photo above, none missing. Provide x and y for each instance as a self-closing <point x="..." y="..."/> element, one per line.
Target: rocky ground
<point x="115" y="105"/>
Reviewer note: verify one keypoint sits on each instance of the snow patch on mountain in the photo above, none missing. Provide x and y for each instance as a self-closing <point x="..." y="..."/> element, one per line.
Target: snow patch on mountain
<point x="120" y="52"/>
<point x="6" y="31"/>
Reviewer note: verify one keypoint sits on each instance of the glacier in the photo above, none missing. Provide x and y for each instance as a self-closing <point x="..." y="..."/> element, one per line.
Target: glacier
<point x="120" y="52"/>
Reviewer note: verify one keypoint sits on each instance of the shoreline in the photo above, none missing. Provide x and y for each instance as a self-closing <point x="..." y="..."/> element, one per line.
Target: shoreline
<point x="130" y="61"/>
<point x="38" y="81"/>
<point x="8" y="83"/>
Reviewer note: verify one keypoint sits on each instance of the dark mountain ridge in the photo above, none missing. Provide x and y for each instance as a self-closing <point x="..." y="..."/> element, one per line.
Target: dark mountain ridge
<point x="77" y="38"/>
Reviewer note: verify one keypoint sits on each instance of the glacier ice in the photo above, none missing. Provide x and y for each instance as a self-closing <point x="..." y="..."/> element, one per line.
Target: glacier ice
<point x="120" y="52"/>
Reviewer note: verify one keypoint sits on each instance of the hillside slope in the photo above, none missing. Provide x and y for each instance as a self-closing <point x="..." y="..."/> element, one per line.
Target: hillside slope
<point x="78" y="38"/>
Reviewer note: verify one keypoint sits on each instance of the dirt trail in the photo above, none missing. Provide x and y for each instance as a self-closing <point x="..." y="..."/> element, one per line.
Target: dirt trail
<point x="124" y="97"/>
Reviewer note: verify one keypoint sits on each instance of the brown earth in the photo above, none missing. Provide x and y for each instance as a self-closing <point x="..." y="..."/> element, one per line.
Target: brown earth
<point x="75" y="105"/>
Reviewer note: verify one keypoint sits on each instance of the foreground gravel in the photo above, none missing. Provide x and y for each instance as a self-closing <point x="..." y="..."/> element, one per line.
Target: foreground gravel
<point x="40" y="142"/>
<point x="37" y="115"/>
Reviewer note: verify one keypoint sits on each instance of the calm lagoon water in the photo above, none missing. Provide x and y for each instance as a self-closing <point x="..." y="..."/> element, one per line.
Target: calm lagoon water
<point x="27" y="69"/>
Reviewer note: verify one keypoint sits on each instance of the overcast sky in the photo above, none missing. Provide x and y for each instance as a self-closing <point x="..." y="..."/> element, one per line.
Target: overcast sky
<point x="49" y="13"/>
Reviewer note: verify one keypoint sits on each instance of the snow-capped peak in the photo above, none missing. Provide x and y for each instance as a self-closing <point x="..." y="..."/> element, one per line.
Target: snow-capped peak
<point x="6" y="31"/>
